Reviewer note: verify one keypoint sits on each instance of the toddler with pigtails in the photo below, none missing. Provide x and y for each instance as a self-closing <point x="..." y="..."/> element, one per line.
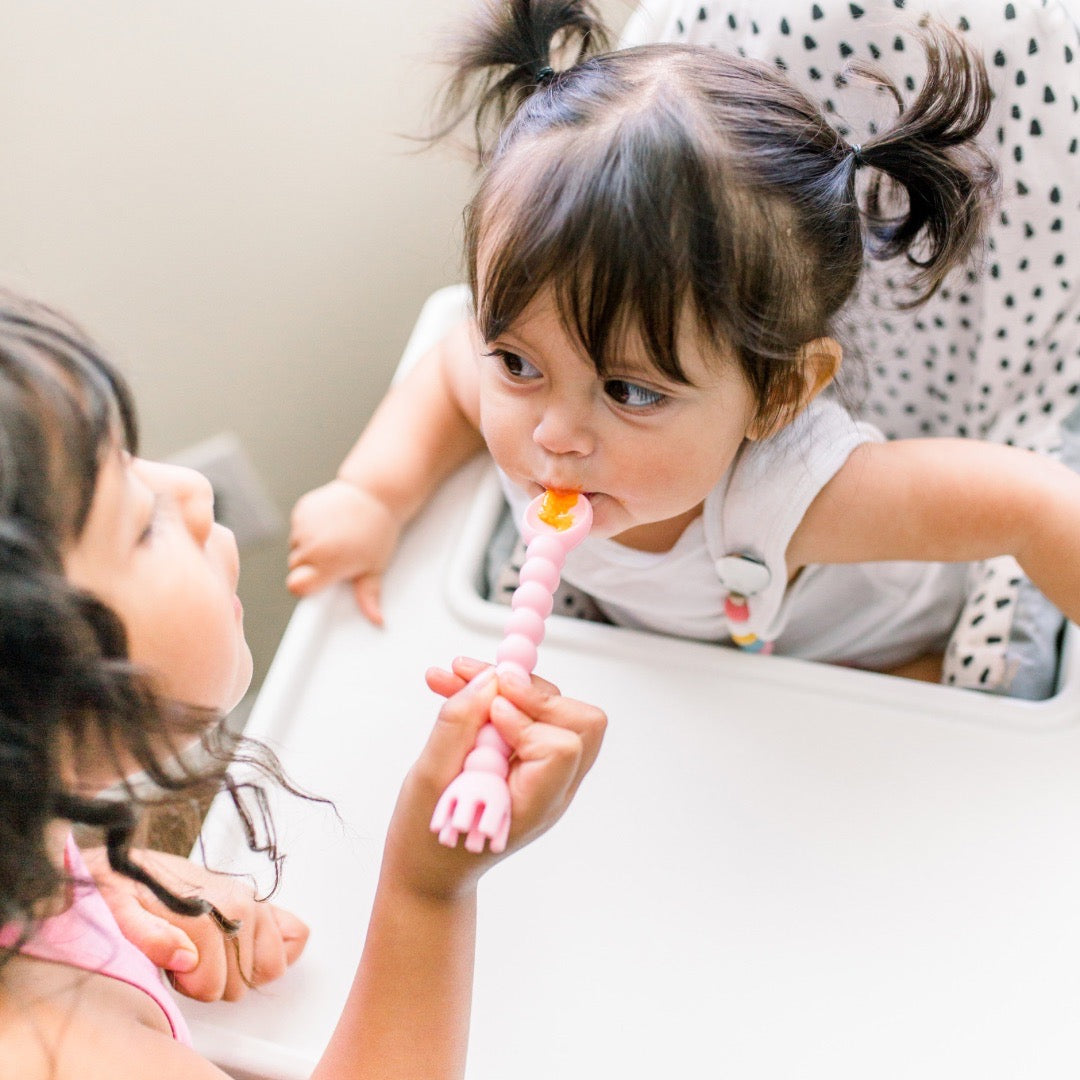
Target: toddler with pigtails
<point x="660" y="246"/>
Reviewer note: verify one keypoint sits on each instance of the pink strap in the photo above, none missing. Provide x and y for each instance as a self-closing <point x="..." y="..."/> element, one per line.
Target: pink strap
<point x="86" y="936"/>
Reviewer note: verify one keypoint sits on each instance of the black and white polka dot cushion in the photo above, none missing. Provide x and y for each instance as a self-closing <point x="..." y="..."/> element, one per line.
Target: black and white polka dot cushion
<point x="996" y="353"/>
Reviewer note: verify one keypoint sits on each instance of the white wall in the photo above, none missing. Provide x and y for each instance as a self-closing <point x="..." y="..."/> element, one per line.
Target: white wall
<point x="219" y="191"/>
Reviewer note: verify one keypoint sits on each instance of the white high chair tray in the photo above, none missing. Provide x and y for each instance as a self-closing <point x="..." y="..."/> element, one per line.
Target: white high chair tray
<point x="776" y="869"/>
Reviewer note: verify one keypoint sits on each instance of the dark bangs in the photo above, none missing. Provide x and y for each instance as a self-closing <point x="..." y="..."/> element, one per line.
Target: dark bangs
<point x="61" y="409"/>
<point x="621" y="230"/>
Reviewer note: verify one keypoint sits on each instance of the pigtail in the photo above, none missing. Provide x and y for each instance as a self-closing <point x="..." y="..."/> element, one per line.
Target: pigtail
<point x="508" y="52"/>
<point x="929" y="158"/>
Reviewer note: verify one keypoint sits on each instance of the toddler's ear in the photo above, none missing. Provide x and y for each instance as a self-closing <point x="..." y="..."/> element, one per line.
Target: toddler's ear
<point x="820" y="361"/>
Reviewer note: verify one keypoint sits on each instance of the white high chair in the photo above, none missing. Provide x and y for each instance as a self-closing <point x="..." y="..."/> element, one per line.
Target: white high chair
<point x="837" y="874"/>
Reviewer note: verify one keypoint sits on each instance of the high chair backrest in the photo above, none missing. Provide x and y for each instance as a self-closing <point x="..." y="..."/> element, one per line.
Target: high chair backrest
<point x="996" y="353"/>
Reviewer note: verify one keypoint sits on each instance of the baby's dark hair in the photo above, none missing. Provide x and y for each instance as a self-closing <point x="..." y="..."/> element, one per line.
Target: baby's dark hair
<point x="648" y="185"/>
<point x="66" y="681"/>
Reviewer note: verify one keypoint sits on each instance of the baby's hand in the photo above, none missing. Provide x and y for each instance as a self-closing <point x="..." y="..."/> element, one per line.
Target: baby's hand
<point x="201" y="961"/>
<point x="341" y="532"/>
<point x="554" y="741"/>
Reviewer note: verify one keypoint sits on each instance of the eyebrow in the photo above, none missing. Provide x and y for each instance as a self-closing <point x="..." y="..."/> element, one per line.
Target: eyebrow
<point x="146" y="520"/>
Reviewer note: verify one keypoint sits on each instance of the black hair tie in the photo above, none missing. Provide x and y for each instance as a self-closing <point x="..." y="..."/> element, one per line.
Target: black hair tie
<point x="857" y="155"/>
<point x="545" y="75"/>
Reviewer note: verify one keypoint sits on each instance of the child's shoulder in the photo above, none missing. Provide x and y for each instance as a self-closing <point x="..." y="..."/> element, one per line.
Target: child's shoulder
<point x="62" y="1023"/>
<point x="817" y="442"/>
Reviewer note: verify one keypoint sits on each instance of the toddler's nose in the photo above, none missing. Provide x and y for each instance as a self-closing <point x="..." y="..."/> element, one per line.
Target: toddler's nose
<point x="563" y="430"/>
<point x="195" y="494"/>
<point x="188" y="490"/>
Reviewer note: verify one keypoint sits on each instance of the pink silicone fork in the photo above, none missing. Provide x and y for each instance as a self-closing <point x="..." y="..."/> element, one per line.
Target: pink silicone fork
<point x="477" y="801"/>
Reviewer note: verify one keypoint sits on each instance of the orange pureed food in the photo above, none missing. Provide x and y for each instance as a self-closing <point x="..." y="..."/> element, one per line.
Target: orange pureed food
<point x="556" y="507"/>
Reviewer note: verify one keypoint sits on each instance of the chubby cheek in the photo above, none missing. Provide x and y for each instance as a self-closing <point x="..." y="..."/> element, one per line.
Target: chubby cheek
<point x="662" y="479"/>
<point x="649" y="481"/>
<point x="508" y="436"/>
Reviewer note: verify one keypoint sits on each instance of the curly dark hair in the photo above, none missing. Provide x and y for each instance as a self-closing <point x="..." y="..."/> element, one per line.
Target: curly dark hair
<point x="66" y="679"/>
<point x="643" y="185"/>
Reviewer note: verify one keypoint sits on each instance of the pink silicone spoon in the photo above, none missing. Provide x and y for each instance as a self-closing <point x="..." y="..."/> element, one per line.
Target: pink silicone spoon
<point x="477" y="802"/>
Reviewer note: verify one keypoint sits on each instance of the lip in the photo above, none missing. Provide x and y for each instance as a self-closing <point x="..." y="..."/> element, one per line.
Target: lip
<point x="576" y="488"/>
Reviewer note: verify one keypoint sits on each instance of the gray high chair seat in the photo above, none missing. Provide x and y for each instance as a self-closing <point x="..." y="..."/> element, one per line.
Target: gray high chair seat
<point x="995" y="354"/>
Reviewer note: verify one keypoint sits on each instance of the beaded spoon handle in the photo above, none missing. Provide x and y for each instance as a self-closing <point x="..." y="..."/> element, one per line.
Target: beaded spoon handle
<point x="477" y="801"/>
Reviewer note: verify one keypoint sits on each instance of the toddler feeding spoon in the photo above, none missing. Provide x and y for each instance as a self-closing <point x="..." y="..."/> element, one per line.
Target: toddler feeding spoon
<point x="477" y="801"/>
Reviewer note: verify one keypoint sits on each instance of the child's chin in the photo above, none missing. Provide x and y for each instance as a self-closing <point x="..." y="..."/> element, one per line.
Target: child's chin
<point x="243" y="679"/>
<point x="603" y="526"/>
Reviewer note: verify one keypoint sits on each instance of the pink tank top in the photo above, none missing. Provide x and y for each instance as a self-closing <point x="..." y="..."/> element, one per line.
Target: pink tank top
<point x="86" y="936"/>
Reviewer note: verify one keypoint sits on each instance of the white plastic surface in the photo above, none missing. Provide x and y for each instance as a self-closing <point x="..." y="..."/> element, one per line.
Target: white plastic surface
<point x="829" y="874"/>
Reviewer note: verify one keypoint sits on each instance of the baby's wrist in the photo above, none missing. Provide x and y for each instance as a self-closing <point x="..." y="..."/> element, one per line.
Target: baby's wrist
<point x="432" y="892"/>
<point x="420" y="871"/>
<point x="372" y="495"/>
<point x="353" y="484"/>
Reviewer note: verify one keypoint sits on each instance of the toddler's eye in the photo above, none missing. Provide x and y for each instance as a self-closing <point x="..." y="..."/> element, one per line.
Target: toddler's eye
<point x="632" y="395"/>
<point x="150" y="521"/>
<point x="516" y="366"/>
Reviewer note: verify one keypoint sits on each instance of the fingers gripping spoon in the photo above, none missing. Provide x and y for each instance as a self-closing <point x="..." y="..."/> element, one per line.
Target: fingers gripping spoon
<point x="477" y="801"/>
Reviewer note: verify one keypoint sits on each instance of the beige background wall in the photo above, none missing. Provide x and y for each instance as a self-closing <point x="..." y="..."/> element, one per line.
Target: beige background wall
<point x="218" y="191"/>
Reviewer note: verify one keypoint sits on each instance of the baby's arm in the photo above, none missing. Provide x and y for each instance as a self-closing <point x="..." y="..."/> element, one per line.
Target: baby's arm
<point x="950" y="500"/>
<point x="424" y="429"/>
